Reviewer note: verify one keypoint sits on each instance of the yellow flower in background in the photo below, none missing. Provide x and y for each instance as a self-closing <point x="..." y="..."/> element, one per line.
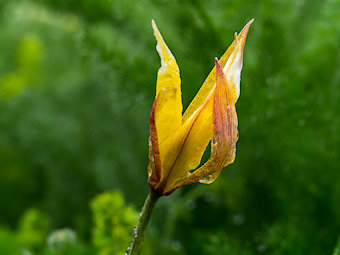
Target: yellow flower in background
<point x="177" y="142"/>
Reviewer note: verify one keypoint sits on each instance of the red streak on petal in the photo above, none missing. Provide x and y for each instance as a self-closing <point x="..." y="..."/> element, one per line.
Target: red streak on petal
<point x="154" y="168"/>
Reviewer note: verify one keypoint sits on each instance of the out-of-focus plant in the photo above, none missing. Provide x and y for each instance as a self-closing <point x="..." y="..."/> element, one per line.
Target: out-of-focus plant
<point x="28" y="60"/>
<point x="220" y="244"/>
<point x="61" y="241"/>
<point x="33" y="230"/>
<point x="113" y="223"/>
<point x="9" y="243"/>
<point x="337" y="248"/>
<point x="177" y="142"/>
<point x="282" y="239"/>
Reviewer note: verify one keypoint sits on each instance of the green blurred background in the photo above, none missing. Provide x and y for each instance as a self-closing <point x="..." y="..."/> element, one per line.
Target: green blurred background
<point x="77" y="82"/>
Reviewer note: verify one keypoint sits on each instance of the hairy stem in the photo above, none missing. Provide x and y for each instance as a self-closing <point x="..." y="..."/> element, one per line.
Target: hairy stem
<point x="144" y="218"/>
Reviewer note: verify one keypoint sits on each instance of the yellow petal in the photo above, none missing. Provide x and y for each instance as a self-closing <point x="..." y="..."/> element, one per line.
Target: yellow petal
<point x="223" y="145"/>
<point x="231" y="61"/>
<point x="195" y="133"/>
<point x="233" y="67"/>
<point x="165" y="98"/>
<point x="170" y="117"/>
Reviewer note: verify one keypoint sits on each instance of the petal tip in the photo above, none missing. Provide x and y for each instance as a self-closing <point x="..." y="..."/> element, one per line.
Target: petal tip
<point x="246" y="28"/>
<point x="249" y="23"/>
<point x="154" y="26"/>
<point x="218" y="66"/>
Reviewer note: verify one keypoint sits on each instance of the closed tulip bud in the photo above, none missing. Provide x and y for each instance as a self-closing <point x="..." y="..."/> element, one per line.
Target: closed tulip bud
<point x="177" y="142"/>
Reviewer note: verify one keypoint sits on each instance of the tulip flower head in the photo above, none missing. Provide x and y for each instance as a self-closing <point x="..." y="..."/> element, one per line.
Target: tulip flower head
<point x="177" y="142"/>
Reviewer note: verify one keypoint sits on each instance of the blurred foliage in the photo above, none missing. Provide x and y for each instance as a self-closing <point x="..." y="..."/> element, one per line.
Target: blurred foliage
<point x="77" y="81"/>
<point x="337" y="248"/>
<point x="33" y="230"/>
<point x="9" y="243"/>
<point x="219" y="244"/>
<point x="113" y="223"/>
<point x="28" y="57"/>
<point x="63" y="241"/>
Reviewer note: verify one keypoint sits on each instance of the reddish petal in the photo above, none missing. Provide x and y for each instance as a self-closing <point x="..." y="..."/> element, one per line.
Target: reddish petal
<point x="223" y="145"/>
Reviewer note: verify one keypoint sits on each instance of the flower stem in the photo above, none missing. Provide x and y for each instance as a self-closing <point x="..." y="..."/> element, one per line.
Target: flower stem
<point x="144" y="218"/>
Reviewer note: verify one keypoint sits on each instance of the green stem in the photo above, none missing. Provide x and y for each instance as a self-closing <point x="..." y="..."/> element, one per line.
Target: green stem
<point x="143" y="221"/>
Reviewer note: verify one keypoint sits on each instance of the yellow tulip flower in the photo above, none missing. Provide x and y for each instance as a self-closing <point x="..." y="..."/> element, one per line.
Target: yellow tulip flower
<point x="177" y="142"/>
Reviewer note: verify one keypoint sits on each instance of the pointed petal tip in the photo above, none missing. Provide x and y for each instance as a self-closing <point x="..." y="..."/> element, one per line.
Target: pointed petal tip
<point x="249" y="23"/>
<point x="218" y="66"/>
<point x="153" y="23"/>
<point x="236" y="38"/>
<point x="245" y="29"/>
<point x="247" y="26"/>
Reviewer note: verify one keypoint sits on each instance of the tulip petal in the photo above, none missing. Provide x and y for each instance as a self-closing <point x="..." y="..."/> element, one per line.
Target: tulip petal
<point x="170" y="120"/>
<point x="231" y="62"/>
<point x="195" y="135"/>
<point x="165" y="98"/>
<point x="223" y="145"/>
<point x="154" y="167"/>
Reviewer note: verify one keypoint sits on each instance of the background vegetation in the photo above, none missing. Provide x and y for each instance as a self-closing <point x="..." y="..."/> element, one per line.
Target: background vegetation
<point x="77" y="82"/>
